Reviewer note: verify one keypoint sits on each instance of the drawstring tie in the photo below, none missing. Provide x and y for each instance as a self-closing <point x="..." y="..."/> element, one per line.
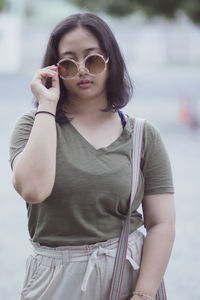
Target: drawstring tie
<point x="93" y="261"/>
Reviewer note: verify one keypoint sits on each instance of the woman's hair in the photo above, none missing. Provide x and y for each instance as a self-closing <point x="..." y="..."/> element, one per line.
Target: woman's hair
<point x="118" y="84"/>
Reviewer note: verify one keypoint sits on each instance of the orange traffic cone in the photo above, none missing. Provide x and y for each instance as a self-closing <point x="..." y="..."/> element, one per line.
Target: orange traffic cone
<point x="184" y="112"/>
<point x="188" y="112"/>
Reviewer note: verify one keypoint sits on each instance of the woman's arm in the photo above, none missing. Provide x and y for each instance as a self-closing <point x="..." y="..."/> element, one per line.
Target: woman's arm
<point x="159" y="218"/>
<point x="34" y="168"/>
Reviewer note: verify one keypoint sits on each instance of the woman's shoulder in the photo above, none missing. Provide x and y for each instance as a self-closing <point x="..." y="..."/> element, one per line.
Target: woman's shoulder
<point x="26" y="117"/>
<point x="28" y="114"/>
<point x="151" y="134"/>
<point x="150" y="129"/>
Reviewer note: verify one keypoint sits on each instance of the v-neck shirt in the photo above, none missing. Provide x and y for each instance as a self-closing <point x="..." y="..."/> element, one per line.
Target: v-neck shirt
<point x="90" y="196"/>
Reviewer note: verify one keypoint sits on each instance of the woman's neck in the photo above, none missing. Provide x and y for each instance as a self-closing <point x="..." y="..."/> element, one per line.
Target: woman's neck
<point x="83" y="108"/>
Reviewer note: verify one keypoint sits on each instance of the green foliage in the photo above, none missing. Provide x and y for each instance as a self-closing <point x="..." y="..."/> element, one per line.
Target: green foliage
<point x="118" y="8"/>
<point x="121" y="8"/>
<point x="2" y="4"/>
<point x="192" y="8"/>
<point x="113" y="7"/>
<point x="166" y="8"/>
<point x="90" y="4"/>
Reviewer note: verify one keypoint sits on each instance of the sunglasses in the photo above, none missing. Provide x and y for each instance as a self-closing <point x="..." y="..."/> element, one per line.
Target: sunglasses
<point x="93" y="63"/>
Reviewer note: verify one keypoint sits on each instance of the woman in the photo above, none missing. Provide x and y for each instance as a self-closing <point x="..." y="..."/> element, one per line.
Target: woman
<point x="71" y="161"/>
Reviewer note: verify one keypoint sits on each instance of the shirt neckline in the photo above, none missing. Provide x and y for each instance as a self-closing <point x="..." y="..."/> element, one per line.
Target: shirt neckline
<point x="124" y="133"/>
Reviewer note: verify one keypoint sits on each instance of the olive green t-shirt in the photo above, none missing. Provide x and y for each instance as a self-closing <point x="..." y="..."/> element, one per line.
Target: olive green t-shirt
<point x="89" y="200"/>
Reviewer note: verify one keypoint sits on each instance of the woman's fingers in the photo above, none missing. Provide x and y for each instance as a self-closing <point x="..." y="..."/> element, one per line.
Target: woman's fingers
<point x="42" y="74"/>
<point x="46" y="72"/>
<point x="38" y="84"/>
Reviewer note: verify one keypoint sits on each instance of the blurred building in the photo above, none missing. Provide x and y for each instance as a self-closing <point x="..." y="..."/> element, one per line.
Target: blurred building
<point x="10" y="36"/>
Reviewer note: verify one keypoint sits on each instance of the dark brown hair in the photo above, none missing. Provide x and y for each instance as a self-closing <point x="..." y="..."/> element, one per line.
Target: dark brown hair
<point x="118" y="84"/>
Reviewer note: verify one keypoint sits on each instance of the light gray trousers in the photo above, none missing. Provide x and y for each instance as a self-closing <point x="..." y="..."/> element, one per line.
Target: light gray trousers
<point x="80" y="272"/>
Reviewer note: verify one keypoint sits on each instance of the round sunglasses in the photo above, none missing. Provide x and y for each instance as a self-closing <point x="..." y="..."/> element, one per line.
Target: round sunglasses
<point x="93" y="63"/>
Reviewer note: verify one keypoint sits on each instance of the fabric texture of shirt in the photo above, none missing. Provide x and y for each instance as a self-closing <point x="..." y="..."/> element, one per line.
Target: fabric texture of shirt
<point x="90" y="196"/>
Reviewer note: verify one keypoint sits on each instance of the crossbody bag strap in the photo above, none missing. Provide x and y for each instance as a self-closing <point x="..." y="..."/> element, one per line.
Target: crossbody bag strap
<point x="123" y="240"/>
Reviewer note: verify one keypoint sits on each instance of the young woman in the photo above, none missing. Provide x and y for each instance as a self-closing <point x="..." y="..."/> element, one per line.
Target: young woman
<point x="71" y="161"/>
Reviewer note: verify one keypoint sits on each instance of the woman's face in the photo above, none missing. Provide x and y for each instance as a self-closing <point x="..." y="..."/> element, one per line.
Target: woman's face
<point x="76" y="45"/>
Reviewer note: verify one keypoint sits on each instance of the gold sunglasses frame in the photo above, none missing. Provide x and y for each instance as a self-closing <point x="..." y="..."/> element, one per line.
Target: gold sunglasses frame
<point x="78" y="64"/>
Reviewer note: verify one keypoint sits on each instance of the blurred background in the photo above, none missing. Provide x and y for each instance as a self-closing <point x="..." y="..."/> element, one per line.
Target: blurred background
<point x="160" y="41"/>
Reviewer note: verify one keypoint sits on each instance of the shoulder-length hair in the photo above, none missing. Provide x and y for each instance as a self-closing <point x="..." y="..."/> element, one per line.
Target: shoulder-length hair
<point x="119" y="87"/>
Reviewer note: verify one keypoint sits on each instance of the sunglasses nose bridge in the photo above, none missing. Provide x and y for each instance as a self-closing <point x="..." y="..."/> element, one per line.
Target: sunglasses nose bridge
<point x="82" y="68"/>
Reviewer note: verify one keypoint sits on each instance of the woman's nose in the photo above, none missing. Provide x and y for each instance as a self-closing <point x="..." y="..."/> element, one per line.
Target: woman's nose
<point x="82" y="70"/>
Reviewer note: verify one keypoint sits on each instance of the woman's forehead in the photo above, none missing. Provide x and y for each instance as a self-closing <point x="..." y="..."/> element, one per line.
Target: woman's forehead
<point x="78" y="40"/>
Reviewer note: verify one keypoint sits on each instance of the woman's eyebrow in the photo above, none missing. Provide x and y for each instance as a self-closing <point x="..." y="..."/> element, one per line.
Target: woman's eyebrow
<point x="92" y="49"/>
<point x="85" y="51"/>
<point x="67" y="53"/>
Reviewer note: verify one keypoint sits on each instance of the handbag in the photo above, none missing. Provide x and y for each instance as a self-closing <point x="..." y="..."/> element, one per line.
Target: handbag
<point x="123" y="240"/>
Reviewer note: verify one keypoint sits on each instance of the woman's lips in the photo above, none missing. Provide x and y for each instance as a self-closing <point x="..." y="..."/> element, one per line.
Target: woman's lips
<point x="84" y="84"/>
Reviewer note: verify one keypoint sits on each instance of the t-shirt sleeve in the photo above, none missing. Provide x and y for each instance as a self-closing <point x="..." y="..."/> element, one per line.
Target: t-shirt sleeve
<point x="156" y="165"/>
<point x="20" y="134"/>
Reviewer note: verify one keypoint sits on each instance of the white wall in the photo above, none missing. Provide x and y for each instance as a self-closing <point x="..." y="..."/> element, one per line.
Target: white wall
<point x="10" y="42"/>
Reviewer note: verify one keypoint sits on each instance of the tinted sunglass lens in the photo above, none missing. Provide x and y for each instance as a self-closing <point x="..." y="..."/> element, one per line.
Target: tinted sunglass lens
<point x="67" y="69"/>
<point x="95" y="64"/>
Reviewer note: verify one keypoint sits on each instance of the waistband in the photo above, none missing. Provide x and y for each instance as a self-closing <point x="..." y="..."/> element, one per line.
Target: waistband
<point x="72" y="253"/>
<point x="52" y="257"/>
